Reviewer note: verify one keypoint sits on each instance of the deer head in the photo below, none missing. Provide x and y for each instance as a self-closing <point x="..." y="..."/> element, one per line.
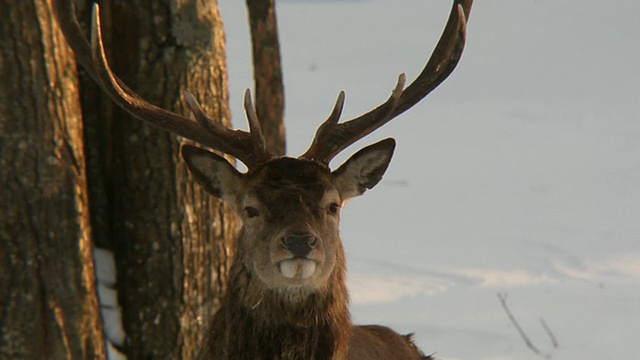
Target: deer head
<point x="290" y="209"/>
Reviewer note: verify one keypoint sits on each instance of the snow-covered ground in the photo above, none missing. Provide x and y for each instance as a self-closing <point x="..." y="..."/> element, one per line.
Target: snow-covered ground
<point x="520" y="175"/>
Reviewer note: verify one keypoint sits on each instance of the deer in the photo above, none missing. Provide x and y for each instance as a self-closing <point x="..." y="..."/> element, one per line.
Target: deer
<point x="286" y="293"/>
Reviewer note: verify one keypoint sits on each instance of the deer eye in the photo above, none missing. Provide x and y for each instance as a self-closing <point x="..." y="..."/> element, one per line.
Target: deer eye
<point x="334" y="208"/>
<point x="251" y="211"/>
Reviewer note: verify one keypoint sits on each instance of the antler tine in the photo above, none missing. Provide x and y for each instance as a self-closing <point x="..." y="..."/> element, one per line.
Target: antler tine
<point x="204" y="131"/>
<point x="337" y="109"/>
<point x="330" y="139"/>
<point x="247" y="147"/>
<point x="254" y="123"/>
<point x="326" y="128"/>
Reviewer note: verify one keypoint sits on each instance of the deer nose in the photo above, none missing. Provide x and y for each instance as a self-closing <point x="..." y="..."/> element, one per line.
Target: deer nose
<point x="299" y="245"/>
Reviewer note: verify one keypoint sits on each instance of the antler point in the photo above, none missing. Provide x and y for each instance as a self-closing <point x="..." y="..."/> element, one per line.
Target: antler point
<point x="397" y="91"/>
<point x="192" y="103"/>
<point x="462" y="21"/>
<point x="252" y="118"/>
<point x="95" y="24"/>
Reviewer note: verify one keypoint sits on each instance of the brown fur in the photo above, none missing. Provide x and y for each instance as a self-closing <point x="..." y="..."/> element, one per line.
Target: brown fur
<point x="255" y="322"/>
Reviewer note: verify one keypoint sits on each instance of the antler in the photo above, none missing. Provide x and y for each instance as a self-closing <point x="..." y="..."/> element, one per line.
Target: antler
<point x="331" y="137"/>
<point x="248" y="147"/>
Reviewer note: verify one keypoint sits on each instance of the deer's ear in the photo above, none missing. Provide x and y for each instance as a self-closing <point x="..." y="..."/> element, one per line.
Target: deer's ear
<point x="364" y="169"/>
<point x="213" y="172"/>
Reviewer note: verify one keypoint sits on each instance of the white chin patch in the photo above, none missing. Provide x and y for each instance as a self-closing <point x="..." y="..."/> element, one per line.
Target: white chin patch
<point x="297" y="268"/>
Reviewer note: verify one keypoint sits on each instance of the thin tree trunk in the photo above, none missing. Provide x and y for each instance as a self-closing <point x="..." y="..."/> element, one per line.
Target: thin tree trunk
<point x="48" y="303"/>
<point x="171" y="240"/>
<point x="267" y="72"/>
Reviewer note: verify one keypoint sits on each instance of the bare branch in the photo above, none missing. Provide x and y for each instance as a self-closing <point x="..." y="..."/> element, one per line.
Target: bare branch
<point x="523" y="335"/>
<point x="552" y="337"/>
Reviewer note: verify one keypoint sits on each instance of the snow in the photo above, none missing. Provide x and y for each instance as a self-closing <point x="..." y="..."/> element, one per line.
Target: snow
<point x="108" y="296"/>
<point x="519" y="175"/>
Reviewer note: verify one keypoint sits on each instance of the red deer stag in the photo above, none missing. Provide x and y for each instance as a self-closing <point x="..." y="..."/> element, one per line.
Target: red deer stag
<point x="286" y="296"/>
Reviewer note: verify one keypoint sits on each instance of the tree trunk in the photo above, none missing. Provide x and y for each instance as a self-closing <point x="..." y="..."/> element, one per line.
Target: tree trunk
<point x="171" y="240"/>
<point x="267" y="72"/>
<point x="48" y="303"/>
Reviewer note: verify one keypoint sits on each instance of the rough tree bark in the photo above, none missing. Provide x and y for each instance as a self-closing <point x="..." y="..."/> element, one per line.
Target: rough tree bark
<point x="267" y="72"/>
<point x="171" y="240"/>
<point x="48" y="304"/>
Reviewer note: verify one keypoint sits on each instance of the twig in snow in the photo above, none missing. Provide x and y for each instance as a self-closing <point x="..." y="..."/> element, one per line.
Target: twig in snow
<point x="523" y="335"/>
<point x="547" y="329"/>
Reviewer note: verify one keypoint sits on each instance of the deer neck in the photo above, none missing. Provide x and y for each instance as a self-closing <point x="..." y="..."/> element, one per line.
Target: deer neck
<point x="267" y="324"/>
